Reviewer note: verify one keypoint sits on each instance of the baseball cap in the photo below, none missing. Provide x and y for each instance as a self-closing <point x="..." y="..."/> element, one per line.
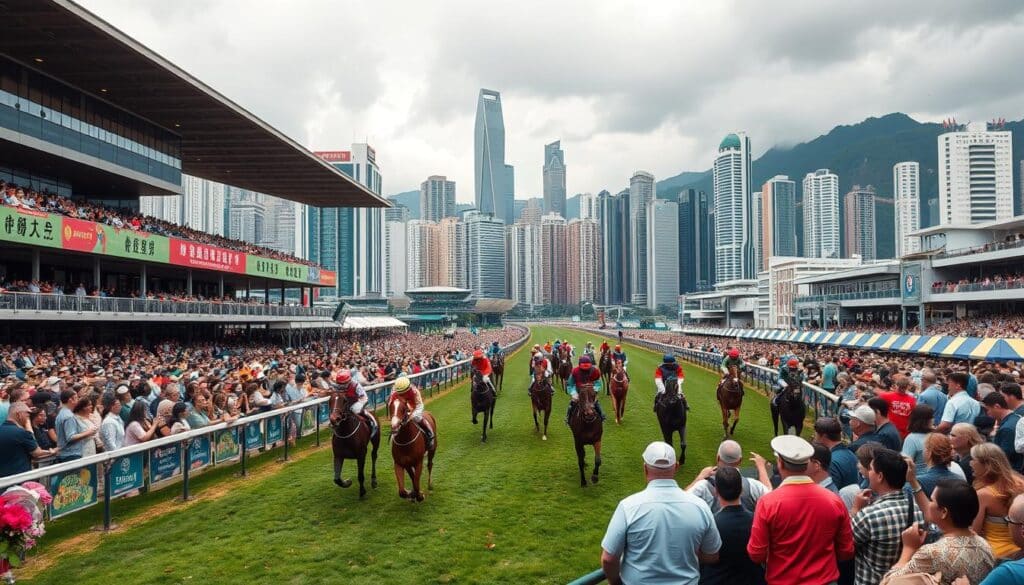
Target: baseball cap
<point x="660" y="455"/>
<point x="122" y="389"/>
<point x="865" y="414"/>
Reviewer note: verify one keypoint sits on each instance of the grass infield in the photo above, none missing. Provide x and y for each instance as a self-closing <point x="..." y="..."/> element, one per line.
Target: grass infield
<point x="508" y="511"/>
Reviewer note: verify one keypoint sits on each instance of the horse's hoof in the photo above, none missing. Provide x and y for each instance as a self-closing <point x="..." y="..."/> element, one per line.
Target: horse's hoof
<point x="474" y="421"/>
<point x="339" y="483"/>
<point x="373" y="483"/>
<point x="403" y="494"/>
<point x="544" y="438"/>
<point x="583" y="484"/>
<point x="362" y="493"/>
<point x="346" y="483"/>
<point x="483" y="439"/>
<point x="418" y="497"/>
<point x="593" y="479"/>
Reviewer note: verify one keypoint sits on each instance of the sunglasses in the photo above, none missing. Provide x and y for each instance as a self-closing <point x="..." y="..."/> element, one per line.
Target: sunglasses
<point x="1012" y="522"/>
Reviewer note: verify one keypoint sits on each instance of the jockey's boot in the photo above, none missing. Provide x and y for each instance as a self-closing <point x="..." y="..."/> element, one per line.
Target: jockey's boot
<point x="371" y="421"/>
<point x="597" y="407"/>
<point x="428" y="432"/>
<point x="570" y="410"/>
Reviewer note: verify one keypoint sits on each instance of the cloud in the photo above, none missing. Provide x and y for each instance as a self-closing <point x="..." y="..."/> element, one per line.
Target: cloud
<point x="624" y="85"/>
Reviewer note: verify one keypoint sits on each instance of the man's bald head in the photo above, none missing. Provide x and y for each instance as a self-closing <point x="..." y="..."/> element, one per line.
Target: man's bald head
<point x="1016" y="515"/>
<point x="730" y="453"/>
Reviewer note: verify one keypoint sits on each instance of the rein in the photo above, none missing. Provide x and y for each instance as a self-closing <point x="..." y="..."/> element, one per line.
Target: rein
<point x="359" y="423"/>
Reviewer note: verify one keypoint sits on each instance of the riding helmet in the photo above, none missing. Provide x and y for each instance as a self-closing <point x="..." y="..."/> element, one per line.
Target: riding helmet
<point x="402" y="384"/>
<point x="668" y="358"/>
<point x="585" y="362"/>
<point x="734" y="353"/>
<point x="478" y="354"/>
<point x="793" y="363"/>
<point x="344" y="377"/>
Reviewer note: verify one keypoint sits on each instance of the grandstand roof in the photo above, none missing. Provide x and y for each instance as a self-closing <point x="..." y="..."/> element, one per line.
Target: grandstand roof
<point x="866" y="270"/>
<point x="220" y="140"/>
<point x="1013" y="223"/>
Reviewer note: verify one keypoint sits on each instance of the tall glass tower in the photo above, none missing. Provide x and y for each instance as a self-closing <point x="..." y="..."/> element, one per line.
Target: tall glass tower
<point x="494" y="181"/>
<point x="554" y="179"/>
<point x="734" y="246"/>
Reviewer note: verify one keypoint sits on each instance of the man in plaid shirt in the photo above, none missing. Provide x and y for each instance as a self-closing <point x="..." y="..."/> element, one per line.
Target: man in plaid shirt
<point x="879" y="516"/>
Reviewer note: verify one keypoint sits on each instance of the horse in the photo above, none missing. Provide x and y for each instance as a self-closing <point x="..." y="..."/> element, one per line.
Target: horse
<point x="564" y="368"/>
<point x="498" y="371"/>
<point x="619" y="387"/>
<point x="482" y="400"/>
<point x="605" y="365"/>
<point x="408" y="447"/>
<point x="791" y="409"/>
<point x="540" y="398"/>
<point x="555" y="361"/>
<point x="670" y="409"/>
<point x="351" y="437"/>
<point x="730" y="399"/>
<point x="587" y="429"/>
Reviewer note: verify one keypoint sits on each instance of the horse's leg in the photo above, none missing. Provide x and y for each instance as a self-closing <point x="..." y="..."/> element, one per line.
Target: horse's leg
<point x="417" y="472"/>
<point x="536" y="424"/>
<point x="400" y="480"/>
<point x="735" y="420"/>
<point x="615" y="408"/>
<point x="682" y="440"/>
<point x="581" y="456"/>
<point x="622" y="405"/>
<point x="597" y="462"/>
<point x="725" y="421"/>
<point x="338" y="463"/>
<point x="473" y="407"/>
<point x="361" y="461"/>
<point x="487" y="418"/>
<point x="547" y="414"/>
<point x="493" y="403"/>
<point x="775" y="419"/>
<point x="373" y="460"/>
<point x="430" y="470"/>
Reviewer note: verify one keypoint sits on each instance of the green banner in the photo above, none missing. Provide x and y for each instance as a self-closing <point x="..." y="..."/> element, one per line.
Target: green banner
<point x="226" y="445"/>
<point x="126" y="474"/>
<point x="30" y="227"/>
<point x="72" y="490"/>
<point x="126" y="243"/>
<point x="308" y="420"/>
<point x="256" y="266"/>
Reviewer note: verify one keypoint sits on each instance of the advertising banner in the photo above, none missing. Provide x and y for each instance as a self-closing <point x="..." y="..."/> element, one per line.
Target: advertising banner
<point x="253" y="437"/>
<point x="226" y="446"/>
<point x="126" y="474"/>
<point x="308" y="421"/>
<point x="29" y="227"/>
<point x="328" y="278"/>
<point x="274" y="430"/>
<point x="95" y="238"/>
<point x="910" y="284"/>
<point x="323" y="412"/>
<point x="72" y="491"/>
<point x="199" y="453"/>
<point x="185" y="253"/>
<point x="256" y="266"/>
<point x="164" y="463"/>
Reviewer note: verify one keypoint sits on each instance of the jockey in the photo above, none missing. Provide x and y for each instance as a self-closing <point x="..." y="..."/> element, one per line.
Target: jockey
<point x="605" y="348"/>
<point x="405" y="391"/>
<point x="669" y="370"/>
<point x="619" y="355"/>
<point x="589" y="350"/>
<point x="547" y="347"/>
<point x="556" y="347"/>
<point x="731" y="359"/>
<point x="533" y="355"/>
<point x="539" y="360"/>
<point x="481" y="364"/>
<point x="584" y="373"/>
<point x="789" y="372"/>
<point x="572" y="350"/>
<point x="357" y="398"/>
<point x="494" y="350"/>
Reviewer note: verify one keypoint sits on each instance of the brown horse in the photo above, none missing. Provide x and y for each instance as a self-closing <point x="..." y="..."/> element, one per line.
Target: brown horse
<point x="498" y="371"/>
<point x="564" y="367"/>
<point x="730" y="399"/>
<point x="670" y="408"/>
<point x="482" y="400"/>
<point x="540" y="398"/>
<point x="351" y="437"/>
<point x="587" y="429"/>
<point x="408" y="446"/>
<point x="619" y="387"/>
<point x="605" y="365"/>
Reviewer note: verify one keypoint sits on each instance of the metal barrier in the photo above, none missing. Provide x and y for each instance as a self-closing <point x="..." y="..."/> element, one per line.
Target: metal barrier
<point x="177" y="457"/>
<point x="592" y="578"/>
<point x="22" y="302"/>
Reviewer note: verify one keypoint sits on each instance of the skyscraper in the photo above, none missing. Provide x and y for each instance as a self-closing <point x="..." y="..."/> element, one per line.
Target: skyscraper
<point x="553" y="252"/>
<point x="615" y="251"/>
<point x="451" y="254"/>
<point x="589" y="206"/>
<point x="247" y="215"/>
<point x="423" y="240"/>
<point x="641" y="193"/>
<point x="734" y="246"/>
<point x="975" y="175"/>
<point x="437" y="198"/>
<point x="395" y="258"/>
<point x="485" y="255"/>
<point x="821" y="214"/>
<point x="533" y="211"/>
<point x="583" y="256"/>
<point x="663" y="259"/>
<point x="202" y="205"/>
<point x="859" y="209"/>
<point x="554" y="178"/>
<point x="778" y="221"/>
<point x="494" y="181"/>
<point x="906" y="184"/>
<point x="696" y="242"/>
<point x="523" y="259"/>
<point x="757" y="222"/>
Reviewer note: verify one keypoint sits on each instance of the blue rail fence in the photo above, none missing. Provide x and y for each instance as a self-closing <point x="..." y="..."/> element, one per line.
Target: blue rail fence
<point x="156" y="464"/>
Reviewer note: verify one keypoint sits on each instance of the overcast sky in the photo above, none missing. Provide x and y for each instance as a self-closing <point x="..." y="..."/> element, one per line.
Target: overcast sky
<point x="624" y="85"/>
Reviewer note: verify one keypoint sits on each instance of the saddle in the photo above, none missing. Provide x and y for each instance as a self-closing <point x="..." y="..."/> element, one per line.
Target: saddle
<point x="540" y="384"/>
<point x="725" y="385"/>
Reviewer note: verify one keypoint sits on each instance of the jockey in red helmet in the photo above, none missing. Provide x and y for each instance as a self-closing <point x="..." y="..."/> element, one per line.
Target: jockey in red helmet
<point x="584" y="373"/>
<point x="357" y="399"/>
<point x="481" y="364"/>
<point x="732" y="358"/>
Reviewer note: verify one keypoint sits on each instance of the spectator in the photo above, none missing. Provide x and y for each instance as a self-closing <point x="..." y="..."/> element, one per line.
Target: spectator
<point x="662" y="533"/>
<point x="932" y="395"/>
<point x="112" y="427"/>
<point x="800" y="529"/>
<point x="995" y="406"/>
<point x="919" y="426"/>
<point x="938" y="454"/>
<point x="734" y="523"/>
<point x="879" y="516"/>
<point x="70" y="442"/>
<point x="963" y="438"/>
<point x="125" y="398"/>
<point x="730" y="454"/>
<point x="83" y="411"/>
<point x="829" y="374"/>
<point x="959" y="552"/>
<point x="843" y="467"/>
<point x="139" y="429"/>
<point x="1012" y="572"/>
<point x="960" y="407"/>
<point x="178" y="413"/>
<point x="817" y="468"/>
<point x="862" y="422"/>
<point x="997" y="485"/>
<point x="900" y="404"/>
<point x="46" y="436"/>
<point x="887" y="433"/>
<point x="17" y="446"/>
<point x="164" y="420"/>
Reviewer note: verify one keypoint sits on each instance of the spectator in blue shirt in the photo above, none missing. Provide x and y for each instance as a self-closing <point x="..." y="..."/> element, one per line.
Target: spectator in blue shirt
<point x="843" y="467"/>
<point x="17" y="446"/>
<point x="829" y="373"/>
<point x="932" y="395"/>
<point x="70" y="439"/>
<point x="995" y="406"/>
<point x="960" y="407"/>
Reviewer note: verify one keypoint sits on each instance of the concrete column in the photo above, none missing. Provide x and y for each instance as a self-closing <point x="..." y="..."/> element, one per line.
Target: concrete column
<point x="248" y="287"/>
<point x="96" y="272"/>
<point x="35" y="264"/>
<point x="728" y="313"/>
<point x="142" y="280"/>
<point x="282" y="294"/>
<point x="903" y="319"/>
<point x="221" y="286"/>
<point x="921" y="321"/>
<point x="266" y="292"/>
<point x="188" y="282"/>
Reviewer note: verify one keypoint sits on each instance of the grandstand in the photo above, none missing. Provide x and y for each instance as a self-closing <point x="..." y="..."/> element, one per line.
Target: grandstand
<point x="90" y="120"/>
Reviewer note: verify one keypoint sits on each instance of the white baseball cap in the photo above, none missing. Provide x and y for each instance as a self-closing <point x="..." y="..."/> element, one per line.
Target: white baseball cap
<point x="660" y="454"/>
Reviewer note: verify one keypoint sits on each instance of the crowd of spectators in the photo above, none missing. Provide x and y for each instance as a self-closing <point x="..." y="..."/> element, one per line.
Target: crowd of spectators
<point x="980" y="283"/>
<point x="80" y="290"/>
<point x="16" y="196"/>
<point x="83" y="399"/>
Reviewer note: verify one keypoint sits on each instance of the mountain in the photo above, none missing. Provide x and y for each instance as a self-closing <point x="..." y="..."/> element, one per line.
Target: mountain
<point x="410" y="199"/>
<point x="861" y="154"/>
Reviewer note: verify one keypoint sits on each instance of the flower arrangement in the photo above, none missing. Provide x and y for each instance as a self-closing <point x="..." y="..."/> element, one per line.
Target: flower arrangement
<point x="21" y="522"/>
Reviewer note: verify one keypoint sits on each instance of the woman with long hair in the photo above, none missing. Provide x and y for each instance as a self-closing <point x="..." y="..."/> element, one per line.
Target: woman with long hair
<point x="139" y="429"/>
<point x="964" y="436"/>
<point x="997" y="484"/>
<point x="918" y="427"/>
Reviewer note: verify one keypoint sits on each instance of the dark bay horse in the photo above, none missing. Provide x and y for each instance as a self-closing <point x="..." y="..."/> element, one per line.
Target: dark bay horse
<point x="619" y="388"/>
<point x="498" y="371"/>
<point x="670" y="408"/>
<point x="564" y="367"/>
<point x="482" y="400"/>
<point x="730" y="399"/>
<point x="540" y="398"/>
<point x="587" y="429"/>
<point x="605" y="365"/>
<point x="408" y="447"/>
<point x="350" y="439"/>
<point x="791" y="408"/>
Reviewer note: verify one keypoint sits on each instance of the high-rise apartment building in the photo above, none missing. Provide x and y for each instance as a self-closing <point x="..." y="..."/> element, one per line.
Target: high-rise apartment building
<point x="485" y="255"/>
<point x="554" y="178"/>
<point x="246" y="215"/>
<point x="582" y="259"/>
<point x="734" y="230"/>
<point x="757" y="222"/>
<point x="423" y="242"/>
<point x="523" y="263"/>
<point x="200" y="206"/>
<point x="696" y="241"/>
<point x="778" y="219"/>
<point x="663" y="253"/>
<point x="452" y="269"/>
<point x="589" y="207"/>
<point x="641" y="193"/>
<point x="396" y="258"/>
<point x="859" y="212"/>
<point x="821" y="214"/>
<point x="975" y="175"/>
<point x="553" y="285"/>
<point x="615" y="251"/>
<point x="906" y="185"/>
<point x="533" y="211"/>
<point x="437" y="198"/>
<point x="163" y="207"/>
<point x="494" y="181"/>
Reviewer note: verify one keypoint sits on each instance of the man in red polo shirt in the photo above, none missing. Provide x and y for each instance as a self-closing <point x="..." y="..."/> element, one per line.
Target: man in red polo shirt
<point x="901" y="402"/>
<point x="800" y="529"/>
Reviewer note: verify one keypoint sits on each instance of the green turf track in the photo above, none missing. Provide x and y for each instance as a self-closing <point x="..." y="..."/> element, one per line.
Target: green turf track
<point x="509" y="511"/>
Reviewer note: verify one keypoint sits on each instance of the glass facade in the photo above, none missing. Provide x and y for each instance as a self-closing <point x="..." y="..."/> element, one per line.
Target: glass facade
<point x="40" y="107"/>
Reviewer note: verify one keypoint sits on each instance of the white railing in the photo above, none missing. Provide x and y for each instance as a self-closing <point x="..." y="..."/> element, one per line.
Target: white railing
<point x="24" y="302"/>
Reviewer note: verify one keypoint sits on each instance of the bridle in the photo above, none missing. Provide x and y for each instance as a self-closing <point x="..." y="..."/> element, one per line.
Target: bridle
<point x="393" y="437"/>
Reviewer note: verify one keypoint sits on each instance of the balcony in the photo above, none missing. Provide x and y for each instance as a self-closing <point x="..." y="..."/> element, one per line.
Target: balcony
<point x="867" y="295"/>
<point x="977" y="291"/>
